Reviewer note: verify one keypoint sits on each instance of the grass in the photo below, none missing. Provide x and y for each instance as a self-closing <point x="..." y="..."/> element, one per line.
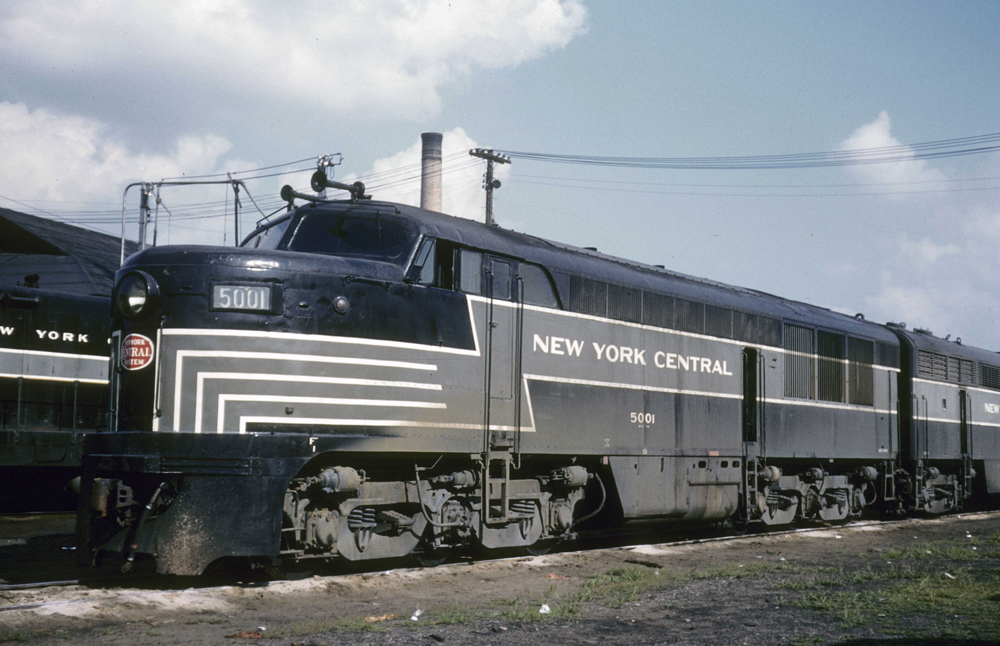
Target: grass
<point x="16" y="637"/>
<point x="910" y="594"/>
<point x="839" y="577"/>
<point x="611" y="589"/>
<point x="967" y="605"/>
<point x="350" y="624"/>
<point x="987" y="546"/>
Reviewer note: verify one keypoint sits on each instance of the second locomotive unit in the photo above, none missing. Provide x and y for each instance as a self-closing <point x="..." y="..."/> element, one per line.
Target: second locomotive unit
<point x="369" y="380"/>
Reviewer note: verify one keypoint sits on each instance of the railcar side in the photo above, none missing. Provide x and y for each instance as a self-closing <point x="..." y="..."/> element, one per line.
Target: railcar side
<point x="951" y="436"/>
<point x="53" y="389"/>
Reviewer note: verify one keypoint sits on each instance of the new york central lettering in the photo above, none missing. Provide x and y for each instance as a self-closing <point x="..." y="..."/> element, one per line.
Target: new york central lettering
<point x="557" y="345"/>
<point x="616" y="353"/>
<point x="672" y="361"/>
<point x="612" y="353"/>
<point x="53" y="335"/>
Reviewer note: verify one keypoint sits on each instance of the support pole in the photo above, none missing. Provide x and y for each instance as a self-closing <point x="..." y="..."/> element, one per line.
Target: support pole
<point x="143" y="214"/>
<point x="490" y="156"/>
<point x="236" y="210"/>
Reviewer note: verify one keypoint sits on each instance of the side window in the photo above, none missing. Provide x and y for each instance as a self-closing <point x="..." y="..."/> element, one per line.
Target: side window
<point x="501" y="275"/>
<point x="470" y="272"/>
<point x="434" y="264"/>
<point x="424" y="264"/>
<point x="537" y="285"/>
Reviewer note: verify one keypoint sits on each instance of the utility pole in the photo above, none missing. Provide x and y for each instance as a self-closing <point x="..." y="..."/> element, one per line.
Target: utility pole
<point x="490" y="156"/>
<point x="236" y="208"/>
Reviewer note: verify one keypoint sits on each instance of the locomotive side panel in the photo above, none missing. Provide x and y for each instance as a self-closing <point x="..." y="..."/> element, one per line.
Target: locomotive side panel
<point x="937" y="423"/>
<point x="53" y="389"/>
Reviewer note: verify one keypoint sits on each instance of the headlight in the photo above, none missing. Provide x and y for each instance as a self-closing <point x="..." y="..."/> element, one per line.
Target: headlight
<point x="135" y="294"/>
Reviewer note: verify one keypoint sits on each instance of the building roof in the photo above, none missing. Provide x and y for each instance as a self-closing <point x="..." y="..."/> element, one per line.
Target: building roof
<point x="65" y="257"/>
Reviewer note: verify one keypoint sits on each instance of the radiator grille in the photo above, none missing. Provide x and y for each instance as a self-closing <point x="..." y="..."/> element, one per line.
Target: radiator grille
<point x="657" y="310"/>
<point x="798" y="362"/>
<point x="943" y="367"/>
<point x="624" y="304"/>
<point x="718" y="322"/>
<point x="588" y="296"/>
<point x="932" y="365"/>
<point x="689" y="316"/>
<point x="989" y="376"/>
<point x="860" y="372"/>
<point x="830" y="370"/>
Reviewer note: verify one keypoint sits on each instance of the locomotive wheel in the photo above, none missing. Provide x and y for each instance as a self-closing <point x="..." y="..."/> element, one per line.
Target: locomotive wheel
<point x="433" y="557"/>
<point x="541" y="548"/>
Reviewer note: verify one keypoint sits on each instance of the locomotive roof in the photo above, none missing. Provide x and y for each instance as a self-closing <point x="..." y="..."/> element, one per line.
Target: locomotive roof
<point x="564" y="258"/>
<point x="65" y="257"/>
<point x="924" y="340"/>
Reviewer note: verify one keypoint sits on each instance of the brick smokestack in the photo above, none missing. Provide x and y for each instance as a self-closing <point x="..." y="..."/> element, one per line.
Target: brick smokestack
<point x="430" y="176"/>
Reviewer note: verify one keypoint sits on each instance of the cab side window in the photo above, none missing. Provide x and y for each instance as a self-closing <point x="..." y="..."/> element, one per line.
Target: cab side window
<point x="424" y="264"/>
<point x="434" y="264"/>
<point x="501" y="274"/>
<point x="470" y="267"/>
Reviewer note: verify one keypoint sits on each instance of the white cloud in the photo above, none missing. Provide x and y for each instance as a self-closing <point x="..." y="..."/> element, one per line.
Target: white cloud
<point x="878" y="134"/>
<point x="397" y="178"/>
<point x="388" y="57"/>
<point x="70" y="159"/>
<point x="926" y="250"/>
<point x="947" y="280"/>
<point x="49" y="156"/>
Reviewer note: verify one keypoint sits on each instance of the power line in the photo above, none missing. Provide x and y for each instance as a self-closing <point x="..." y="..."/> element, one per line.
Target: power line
<point x="856" y="156"/>
<point x="519" y="176"/>
<point x="734" y="194"/>
<point x="243" y="172"/>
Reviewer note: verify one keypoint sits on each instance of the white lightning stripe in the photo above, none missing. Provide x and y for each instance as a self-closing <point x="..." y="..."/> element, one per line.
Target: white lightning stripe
<point x="324" y="421"/>
<point x="346" y="381"/>
<point x="531" y="410"/>
<point x="48" y="378"/>
<point x="61" y="355"/>
<point x="320" y="338"/>
<point x="608" y="384"/>
<point x="284" y="356"/>
<point x="331" y="401"/>
<point x="277" y="356"/>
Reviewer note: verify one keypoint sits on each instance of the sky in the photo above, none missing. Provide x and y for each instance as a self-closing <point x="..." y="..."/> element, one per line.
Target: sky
<point x="96" y="95"/>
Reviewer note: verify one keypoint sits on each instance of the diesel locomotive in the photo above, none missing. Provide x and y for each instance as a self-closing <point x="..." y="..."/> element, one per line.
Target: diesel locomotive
<point x="366" y="380"/>
<point x="53" y="389"/>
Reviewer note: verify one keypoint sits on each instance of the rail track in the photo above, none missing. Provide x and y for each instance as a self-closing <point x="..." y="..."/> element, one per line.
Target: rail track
<point x="161" y="585"/>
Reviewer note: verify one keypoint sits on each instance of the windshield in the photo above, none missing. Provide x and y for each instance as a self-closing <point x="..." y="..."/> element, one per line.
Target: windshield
<point x="370" y="235"/>
<point x="270" y="237"/>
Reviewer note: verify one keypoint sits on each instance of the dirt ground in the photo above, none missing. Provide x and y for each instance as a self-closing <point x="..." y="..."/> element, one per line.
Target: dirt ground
<point x="924" y="582"/>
